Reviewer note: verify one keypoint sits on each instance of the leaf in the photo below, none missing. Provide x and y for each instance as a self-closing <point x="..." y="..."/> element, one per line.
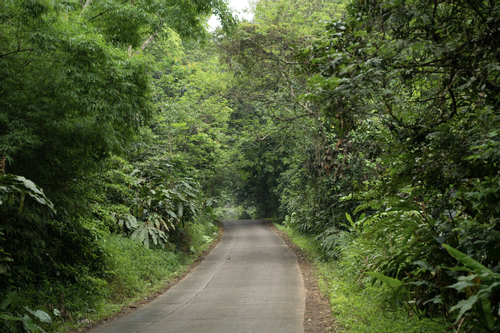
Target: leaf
<point x="349" y="218"/>
<point x="41" y="315"/>
<point x="8" y="317"/>
<point x="171" y="213"/>
<point x="179" y="195"/>
<point x="135" y="234"/>
<point x="464" y="305"/>
<point x="153" y="236"/>
<point x="462" y="284"/>
<point x="30" y="324"/>
<point x="468" y="261"/>
<point x="11" y="300"/>
<point x="457" y="269"/>
<point x="394" y="283"/>
<point x="488" y="316"/>
<point x="140" y="211"/>
<point x="29" y="185"/>
<point x="131" y="222"/>
<point x="181" y="209"/>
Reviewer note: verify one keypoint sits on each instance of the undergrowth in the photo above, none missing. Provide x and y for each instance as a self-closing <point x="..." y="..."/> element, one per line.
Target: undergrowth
<point x="358" y="306"/>
<point x="132" y="272"/>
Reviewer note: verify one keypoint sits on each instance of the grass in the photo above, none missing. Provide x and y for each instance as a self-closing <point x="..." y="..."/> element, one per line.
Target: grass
<point x="132" y="273"/>
<point x="360" y="307"/>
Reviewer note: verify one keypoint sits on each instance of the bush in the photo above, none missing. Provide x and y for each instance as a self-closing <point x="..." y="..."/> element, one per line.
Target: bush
<point x="133" y="269"/>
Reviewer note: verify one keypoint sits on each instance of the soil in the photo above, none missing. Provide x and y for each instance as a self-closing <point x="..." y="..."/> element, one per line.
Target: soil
<point x="318" y="315"/>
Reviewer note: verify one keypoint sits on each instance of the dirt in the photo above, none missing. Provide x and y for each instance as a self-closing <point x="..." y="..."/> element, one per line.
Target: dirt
<point x="318" y="315"/>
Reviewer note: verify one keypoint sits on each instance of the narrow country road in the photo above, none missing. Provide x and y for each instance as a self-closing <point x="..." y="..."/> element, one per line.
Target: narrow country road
<point x="250" y="282"/>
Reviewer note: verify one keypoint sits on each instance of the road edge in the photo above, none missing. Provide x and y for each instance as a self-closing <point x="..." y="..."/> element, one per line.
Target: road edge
<point x="318" y="314"/>
<point x="148" y="298"/>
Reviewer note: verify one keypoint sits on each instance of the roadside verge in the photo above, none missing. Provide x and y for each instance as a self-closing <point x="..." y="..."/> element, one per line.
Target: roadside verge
<point x="318" y="315"/>
<point x="139" y="301"/>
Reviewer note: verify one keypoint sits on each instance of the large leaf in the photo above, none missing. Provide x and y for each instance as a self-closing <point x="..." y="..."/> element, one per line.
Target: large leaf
<point x="23" y="186"/>
<point x="180" y="210"/>
<point x="394" y="283"/>
<point x="41" y="315"/>
<point x="179" y="195"/>
<point x="10" y="301"/>
<point x="464" y="305"/>
<point x="468" y="261"/>
<point x="30" y="325"/>
<point x="488" y="316"/>
<point x="171" y="213"/>
<point x="9" y="317"/>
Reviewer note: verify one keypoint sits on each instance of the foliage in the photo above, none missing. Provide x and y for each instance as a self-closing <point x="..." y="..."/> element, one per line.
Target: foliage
<point x="11" y="184"/>
<point x="380" y="130"/>
<point x="274" y="127"/>
<point x="133" y="269"/>
<point x="358" y="307"/>
<point x="426" y="77"/>
<point x="79" y="108"/>
<point x="480" y="285"/>
<point x="11" y="315"/>
<point x="371" y="126"/>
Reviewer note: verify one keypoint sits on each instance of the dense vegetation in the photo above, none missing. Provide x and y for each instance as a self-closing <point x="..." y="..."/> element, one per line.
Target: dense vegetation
<point x="376" y="132"/>
<point x="105" y="143"/>
<point x="370" y="126"/>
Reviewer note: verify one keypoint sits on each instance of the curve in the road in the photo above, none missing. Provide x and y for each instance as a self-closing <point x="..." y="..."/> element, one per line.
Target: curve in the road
<point x="250" y="282"/>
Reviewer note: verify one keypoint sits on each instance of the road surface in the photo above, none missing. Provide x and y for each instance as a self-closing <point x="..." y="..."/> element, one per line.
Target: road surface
<point x="250" y="282"/>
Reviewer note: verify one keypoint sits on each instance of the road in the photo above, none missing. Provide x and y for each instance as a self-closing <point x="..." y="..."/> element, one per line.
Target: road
<point x="250" y="282"/>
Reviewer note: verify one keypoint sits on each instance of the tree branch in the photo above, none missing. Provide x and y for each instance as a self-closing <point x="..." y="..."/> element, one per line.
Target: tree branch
<point x="6" y="54"/>
<point x="104" y="12"/>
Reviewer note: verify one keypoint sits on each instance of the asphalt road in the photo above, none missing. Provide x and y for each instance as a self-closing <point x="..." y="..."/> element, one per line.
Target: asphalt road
<point x="250" y="282"/>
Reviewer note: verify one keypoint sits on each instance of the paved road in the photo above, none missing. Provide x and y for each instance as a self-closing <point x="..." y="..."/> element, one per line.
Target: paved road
<point x="250" y="282"/>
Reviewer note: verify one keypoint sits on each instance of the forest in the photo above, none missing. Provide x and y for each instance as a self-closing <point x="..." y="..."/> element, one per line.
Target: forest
<point x="371" y="128"/>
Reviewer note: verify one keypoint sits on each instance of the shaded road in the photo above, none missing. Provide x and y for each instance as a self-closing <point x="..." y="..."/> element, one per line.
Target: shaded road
<point x="250" y="282"/>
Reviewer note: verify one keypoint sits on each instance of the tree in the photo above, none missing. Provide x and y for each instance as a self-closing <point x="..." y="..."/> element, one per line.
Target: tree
<point x="76" y="88"/>
<point x="265" y="91"/>
<point x="427" y="74"/>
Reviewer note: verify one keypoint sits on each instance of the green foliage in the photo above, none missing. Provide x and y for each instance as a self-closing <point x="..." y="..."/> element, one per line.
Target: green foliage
<point x="360" y="307"/>
<point x="12" y="315"/>
<point x="277" y="133"/>
<point x="481" y="285"/>
<point x="393" y="283"/>
<point x="12" y="184"/>
<point x="411" y="101"/>
<point x="133" y="269"/>
<point x="78" y="95"/>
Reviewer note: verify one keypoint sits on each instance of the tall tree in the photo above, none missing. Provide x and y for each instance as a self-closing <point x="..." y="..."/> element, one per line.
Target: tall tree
<point x="266" y="87"/>
<point x="422" y="79"/>
<point x="74" y="83"/>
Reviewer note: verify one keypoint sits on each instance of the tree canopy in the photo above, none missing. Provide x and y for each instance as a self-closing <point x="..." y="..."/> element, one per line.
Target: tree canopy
<point x="370" y="125"/>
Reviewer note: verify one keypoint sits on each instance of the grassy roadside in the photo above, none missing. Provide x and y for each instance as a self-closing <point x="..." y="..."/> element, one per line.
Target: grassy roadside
<point x="137" y="275"/>
<point x="357" y="306"/>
